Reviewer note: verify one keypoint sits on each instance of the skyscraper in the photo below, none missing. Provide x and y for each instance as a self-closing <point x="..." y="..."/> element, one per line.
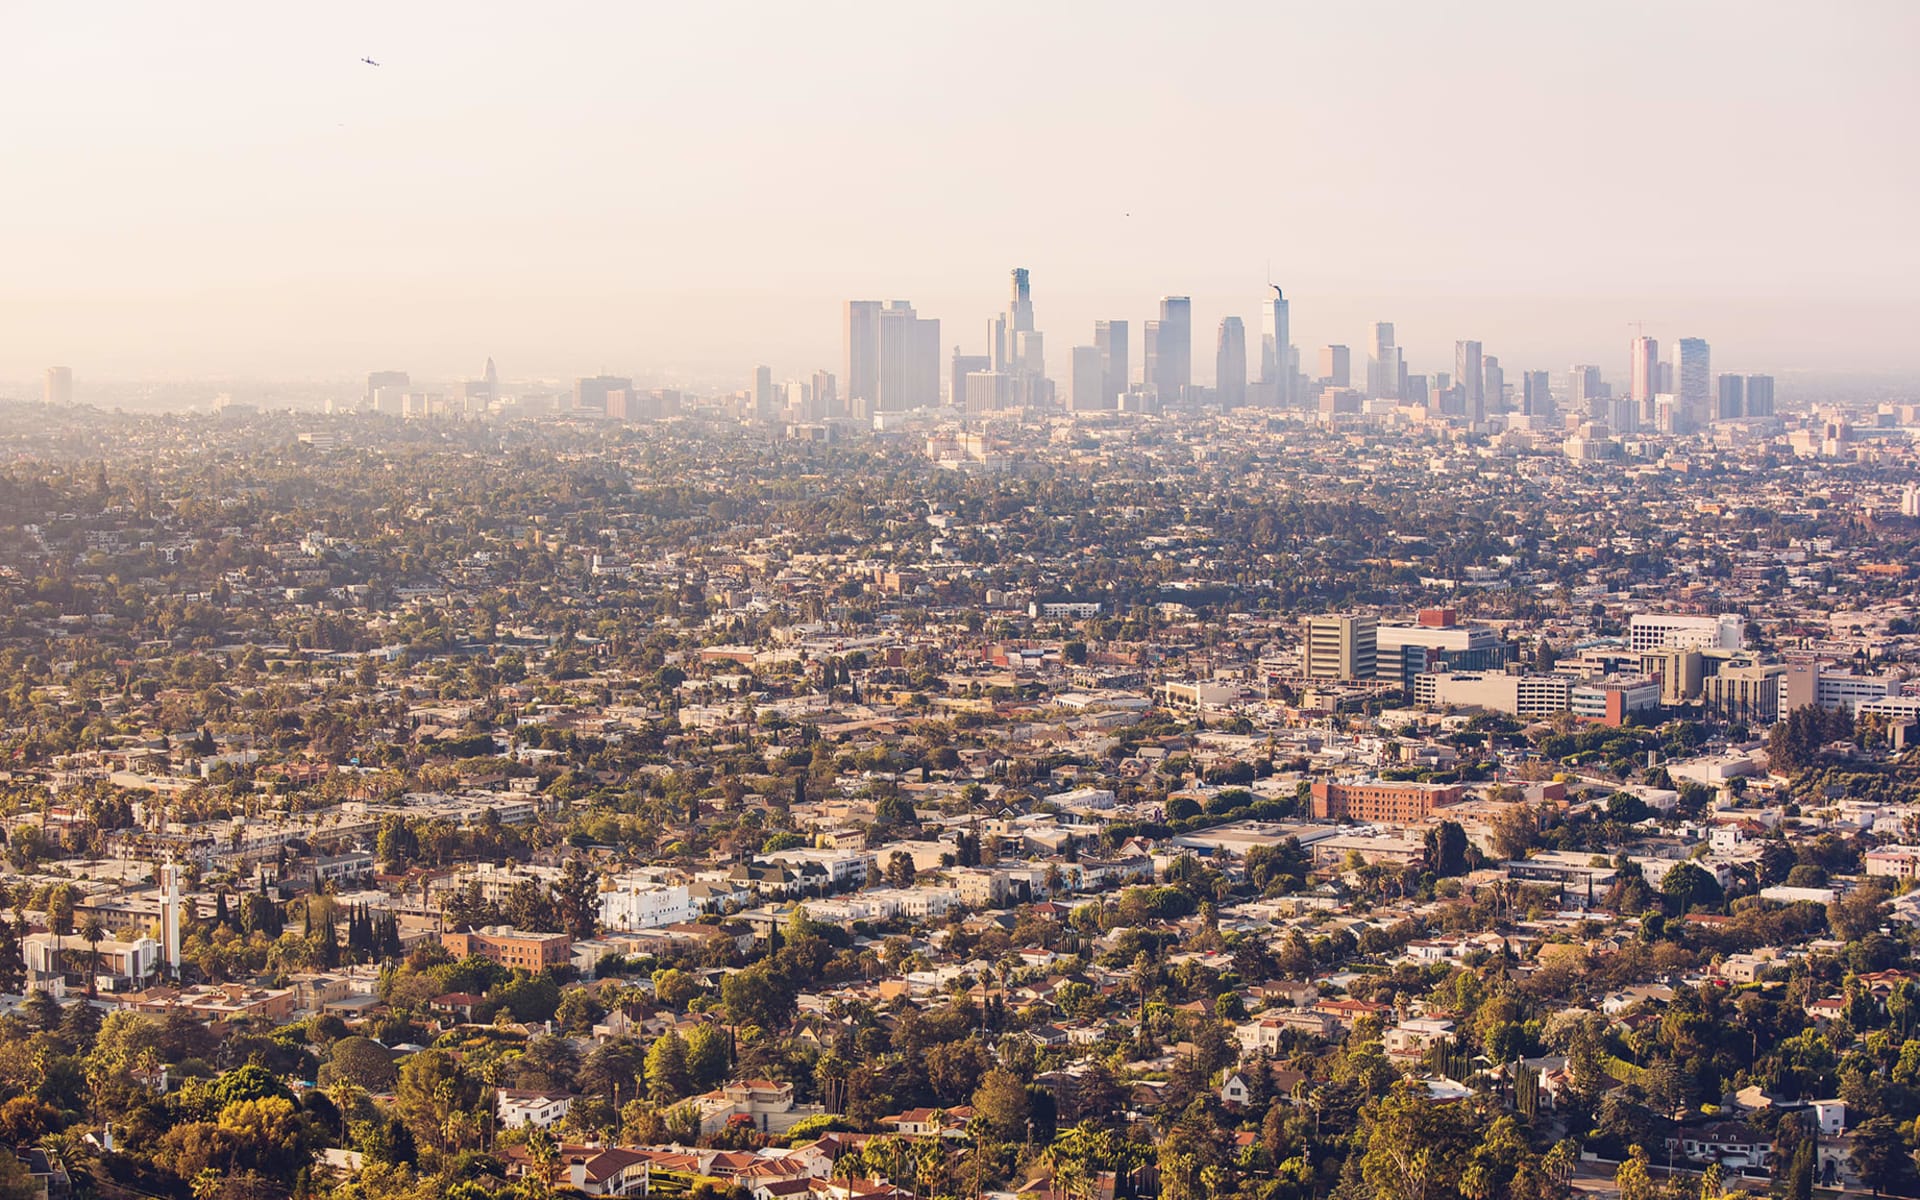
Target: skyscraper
<point x="590" y="392"/>
<point x="1336" y="366"/>
<point x="763" y="401"/>
<point x="1384" y="366"/>
<point x="1693" y="382"/>
<point x="826" y="403"/>
<point x="862" y="343"/>
<point x="1151" y="345"/>
<point x="1494" y="383"/>
<point x="1731" y="402"/>
<point x="1536" y="395"/>
<point x="1089" y="379"/>
<point x="59" y="387"/>
<point x="909" y="368"/>
<point x="963" y="366"/>
<point x="1020" y="307"/>
<point x="1173" y="351"/>
<point x="1230" y="363"/>
<point x="375" y="381"/>
<point x="1759" y="395"/>
<point x="1586" y="394"/>
<point x="1646" y="369"/>
<point x="1111" y="338"/>
<point x="1276" y="348"/>
<point x="1471" y="380"/>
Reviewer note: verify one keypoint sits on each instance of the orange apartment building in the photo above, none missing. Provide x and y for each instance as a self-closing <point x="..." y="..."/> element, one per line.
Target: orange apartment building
<point x="511" y="948"/>
<point x="1383" y="803"/>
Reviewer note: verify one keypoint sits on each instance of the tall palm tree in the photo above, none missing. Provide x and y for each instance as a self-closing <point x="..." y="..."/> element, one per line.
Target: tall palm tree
<point x="93" y="932"/>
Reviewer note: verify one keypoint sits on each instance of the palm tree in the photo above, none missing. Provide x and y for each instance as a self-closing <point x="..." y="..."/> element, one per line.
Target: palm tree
<point x="93" y="932"/>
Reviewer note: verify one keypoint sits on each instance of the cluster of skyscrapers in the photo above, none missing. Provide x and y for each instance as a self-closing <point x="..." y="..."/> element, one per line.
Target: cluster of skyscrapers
<point x="892" y="363"/>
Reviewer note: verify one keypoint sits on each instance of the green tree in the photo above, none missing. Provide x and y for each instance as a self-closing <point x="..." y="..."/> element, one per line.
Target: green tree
<point x="668" y="1078"/>
<point x="1001" y="1101"/>
<point x="1881" y="1156"/>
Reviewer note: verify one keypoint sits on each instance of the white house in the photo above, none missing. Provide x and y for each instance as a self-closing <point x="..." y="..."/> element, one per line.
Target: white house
<point x="540" y="1110"/>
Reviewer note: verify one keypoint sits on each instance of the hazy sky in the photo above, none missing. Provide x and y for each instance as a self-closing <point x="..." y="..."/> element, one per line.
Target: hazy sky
<point x="689" y="188"/>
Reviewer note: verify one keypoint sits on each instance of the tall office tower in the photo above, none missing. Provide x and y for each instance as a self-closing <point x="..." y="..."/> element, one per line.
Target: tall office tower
<point x="862" y="345"/>
<point x="1693" y="382"/>
<point x="1536" y="395"/>
<point x="1494" y="383"/>
<point x="909" y="375"/>
<point x="1623" y="415"/>
<point x="59" y="388"/>
<point x="1230" y="363"/>
<point x="1173" y="356"/>
<point x="764" y="404"/>
<point x="1759" y="395"/>
<point x="986" y="391"/>
<point x="1646" y="369"/>
<point x="1111" y="337"/>
<point x="1471" y="379"/>
<point x="1731" y="404"/>
<point x="826" y="400"/>
<point x="1276" y="348"/>
<point x="1020" y="308"/>
<point x="382" y="379"/>
<point x="1341" y="647"/>
<point x="963" y="366"/>
<point x="590" y="392"/>
<point x="1666" y="379"/>
<point x="1586" y="395"/>
<point x="1383" y="364"/>
<point x="1151" y="374"/>
<point x="1089" y="379"/>
<point x="1336" y="366"/>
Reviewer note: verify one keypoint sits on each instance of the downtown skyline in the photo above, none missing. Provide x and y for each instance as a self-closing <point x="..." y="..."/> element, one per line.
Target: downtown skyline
<point x="509" y="186"/>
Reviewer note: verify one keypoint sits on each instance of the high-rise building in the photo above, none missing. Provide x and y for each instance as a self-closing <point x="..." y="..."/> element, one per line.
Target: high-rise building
<point x="826" y="401"/>
<point x="1759" y="395"/>
<point x="1494" y="384"/>
<point x="590" y="392"/>
<point x="1336" y="366"/>
<point x="1111" y="337"/>
<point x="1151" y="345"/>
<point x="376" y="380"/>
<point x="1016" y="348"/>
<point x="1646" y="369"/>
<point x="1536" y="395"/>
<point x="1471" y="380"/>
<point x="59" y="386"/>
<point x="986" y="391"/>
<point x="963" y="366"/>
<point x="1276" y="348"/>
<point x="1173" y="349"/>
<point x="764" y="404"/>
<point x="1230" y="363"/>
<point x="909" y="375"/>
<point x="862" y="344"/>
<point x="1020" y="306"/>
<point x="1730" y="404"/>
<point x="1384" y="367"/>
<point x="1341" y="647"/>
<point x="1693" y="381"/>
<point x="1586" y="394"/>
<point x="1089" y="379"/>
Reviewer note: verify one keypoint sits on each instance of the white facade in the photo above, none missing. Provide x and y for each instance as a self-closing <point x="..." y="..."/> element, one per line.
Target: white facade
<point x="1665" y="631"/>
<point x="636" y="904"/>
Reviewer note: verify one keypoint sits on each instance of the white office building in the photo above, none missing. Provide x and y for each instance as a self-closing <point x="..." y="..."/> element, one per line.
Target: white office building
<point x="1667" y="631"/>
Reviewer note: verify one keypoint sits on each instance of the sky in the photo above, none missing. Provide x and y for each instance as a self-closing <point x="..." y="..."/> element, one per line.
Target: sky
<point x="680" y="191"/>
